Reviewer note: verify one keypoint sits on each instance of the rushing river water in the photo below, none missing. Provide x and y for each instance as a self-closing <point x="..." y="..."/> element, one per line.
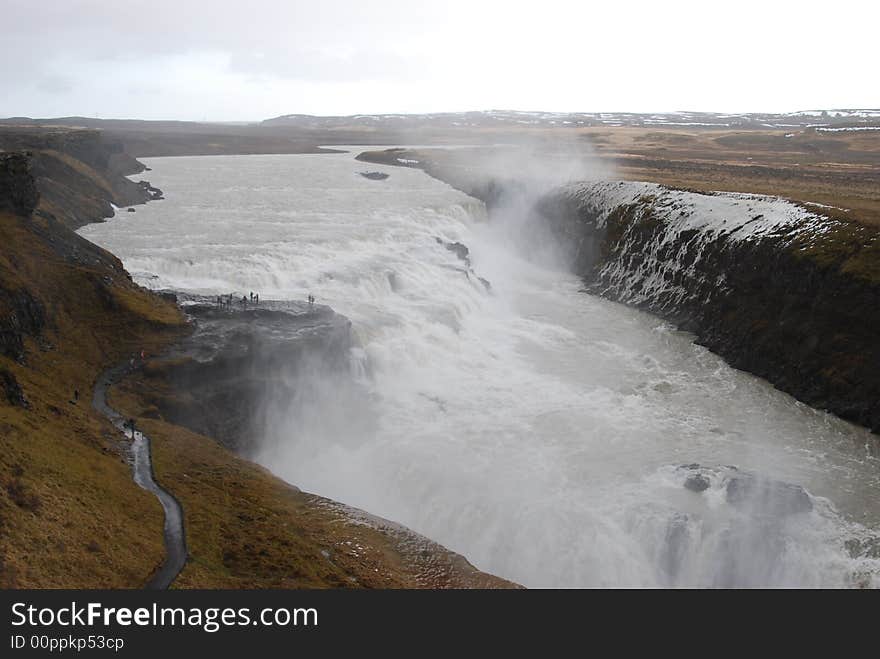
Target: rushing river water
<point x="532" y="427"/>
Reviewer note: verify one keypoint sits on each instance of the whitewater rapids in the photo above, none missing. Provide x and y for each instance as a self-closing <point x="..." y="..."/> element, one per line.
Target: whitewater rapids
<point x="532" y="427"/>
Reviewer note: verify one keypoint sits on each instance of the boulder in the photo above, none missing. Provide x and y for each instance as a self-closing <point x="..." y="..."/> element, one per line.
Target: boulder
<point x="748" y="491"/>
<point x="765" y="496"/>
<point x="696" y="483"/>
<point x="375" y="176"/>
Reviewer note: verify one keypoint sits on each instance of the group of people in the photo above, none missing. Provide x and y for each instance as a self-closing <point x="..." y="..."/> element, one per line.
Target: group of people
<point x="226" y="301"/>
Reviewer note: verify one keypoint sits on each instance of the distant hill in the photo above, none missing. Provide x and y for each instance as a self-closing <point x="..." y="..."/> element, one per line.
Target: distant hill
<point x="839" y="118"/>
<point x="145" y="139"/>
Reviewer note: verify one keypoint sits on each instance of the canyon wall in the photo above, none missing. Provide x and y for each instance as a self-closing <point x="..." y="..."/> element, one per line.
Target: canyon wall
<point x="778" y="290"/>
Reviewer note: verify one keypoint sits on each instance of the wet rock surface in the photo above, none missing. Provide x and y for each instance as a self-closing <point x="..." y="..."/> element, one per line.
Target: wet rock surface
<point x="152" y="193"/>
<point x="142" y="473"/>
<point x="747" y="491"/>
<point x="696" y="483"/>
<point x="767" y="496"/>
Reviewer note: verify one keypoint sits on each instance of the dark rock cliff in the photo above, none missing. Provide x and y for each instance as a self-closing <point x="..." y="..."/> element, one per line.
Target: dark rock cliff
<point x="22" y="314"/>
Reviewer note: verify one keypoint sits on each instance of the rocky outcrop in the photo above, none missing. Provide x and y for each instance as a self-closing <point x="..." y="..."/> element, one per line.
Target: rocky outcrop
<point x="152" y="193"/>
<point x="240" y="362"/>
<point x="22" y="315"/>
<point x="11" y="389"/>
<point x="18" y="190"/>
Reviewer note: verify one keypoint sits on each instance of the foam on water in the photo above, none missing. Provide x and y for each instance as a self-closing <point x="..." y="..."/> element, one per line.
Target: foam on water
<point x="534" y="428"/>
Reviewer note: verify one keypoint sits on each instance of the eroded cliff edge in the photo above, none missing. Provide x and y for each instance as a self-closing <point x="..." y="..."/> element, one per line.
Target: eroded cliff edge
<point x="80" y="174"/>
<point x="786" y="291"/>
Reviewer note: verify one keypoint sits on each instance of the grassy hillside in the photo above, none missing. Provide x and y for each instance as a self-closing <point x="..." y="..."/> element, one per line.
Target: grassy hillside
<point x="70" y="515"/>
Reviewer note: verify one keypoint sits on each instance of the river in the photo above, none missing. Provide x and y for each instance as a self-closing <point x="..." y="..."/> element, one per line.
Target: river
<point x="536" y="429"/>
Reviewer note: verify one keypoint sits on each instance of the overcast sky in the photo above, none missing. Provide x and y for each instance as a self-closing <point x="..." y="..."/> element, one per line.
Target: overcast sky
<point x="253" y="59"/>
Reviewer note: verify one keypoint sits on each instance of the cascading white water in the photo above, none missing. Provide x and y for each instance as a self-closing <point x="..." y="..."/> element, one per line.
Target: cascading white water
<point x="533" y="428"/>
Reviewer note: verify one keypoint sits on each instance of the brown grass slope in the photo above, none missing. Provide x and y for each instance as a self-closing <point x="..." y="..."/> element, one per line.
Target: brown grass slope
<point x="839" y="169"/>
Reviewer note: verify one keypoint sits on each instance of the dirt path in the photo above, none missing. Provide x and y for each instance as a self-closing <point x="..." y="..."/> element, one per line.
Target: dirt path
<point x="175" y="538"/>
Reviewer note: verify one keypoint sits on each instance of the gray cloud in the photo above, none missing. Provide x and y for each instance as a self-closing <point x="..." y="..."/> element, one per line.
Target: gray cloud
<point x="246" y="60"/>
